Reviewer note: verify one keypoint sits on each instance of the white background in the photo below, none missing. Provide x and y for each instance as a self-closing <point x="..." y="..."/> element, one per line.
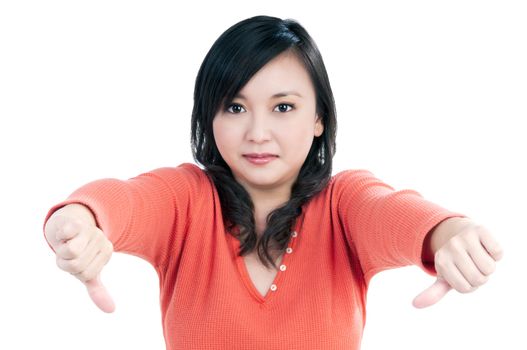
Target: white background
<point x="430" y="96"/>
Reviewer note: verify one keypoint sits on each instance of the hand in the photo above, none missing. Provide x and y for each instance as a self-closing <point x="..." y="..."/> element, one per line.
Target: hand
<point x="82" y="249"/>
<point x="463" y="263"/>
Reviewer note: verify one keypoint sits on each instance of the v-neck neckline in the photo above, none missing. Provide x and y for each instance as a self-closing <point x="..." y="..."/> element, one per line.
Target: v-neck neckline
<point x="284" y="267"/>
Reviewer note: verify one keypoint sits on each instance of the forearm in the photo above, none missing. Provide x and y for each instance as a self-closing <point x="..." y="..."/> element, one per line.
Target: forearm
<point x="440" y="234"/>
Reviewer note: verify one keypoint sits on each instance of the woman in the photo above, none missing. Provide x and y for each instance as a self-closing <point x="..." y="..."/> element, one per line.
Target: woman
<point x="263" y="248"/>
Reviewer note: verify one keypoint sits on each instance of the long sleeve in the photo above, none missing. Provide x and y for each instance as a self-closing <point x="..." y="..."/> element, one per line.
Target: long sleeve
<point x="386" y="227"/>
<point x="145" y="215"/>
<point x="355" y="227"/>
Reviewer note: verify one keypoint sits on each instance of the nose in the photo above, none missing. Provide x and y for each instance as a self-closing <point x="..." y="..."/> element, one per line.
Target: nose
<point x="259" y="128"/>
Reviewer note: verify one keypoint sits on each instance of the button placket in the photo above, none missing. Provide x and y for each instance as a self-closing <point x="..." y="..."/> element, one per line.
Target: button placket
<point x="283" y="267"/>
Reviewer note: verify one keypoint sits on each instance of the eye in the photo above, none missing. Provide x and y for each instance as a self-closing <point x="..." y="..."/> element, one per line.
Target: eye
<point x="236" y="110"/>
<point x="283" y="107"/>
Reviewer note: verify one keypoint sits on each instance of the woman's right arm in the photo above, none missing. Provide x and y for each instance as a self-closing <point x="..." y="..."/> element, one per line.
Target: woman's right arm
<point x="146" y="216"/>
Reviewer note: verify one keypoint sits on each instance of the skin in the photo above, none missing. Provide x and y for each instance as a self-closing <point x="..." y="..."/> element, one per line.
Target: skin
<point x="464" y="253"/>
<point x="81" y="249"/>
<point x="257" y="122"/>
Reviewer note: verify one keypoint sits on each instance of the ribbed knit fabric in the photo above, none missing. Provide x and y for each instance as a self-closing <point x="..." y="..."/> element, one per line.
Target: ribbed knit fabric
<point x="171" y="217"/>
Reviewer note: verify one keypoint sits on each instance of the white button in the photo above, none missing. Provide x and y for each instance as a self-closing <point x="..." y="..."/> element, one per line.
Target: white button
<point x="294" y="234"/>
<point x="282" y="267"/>
<point x="273" y="287"/>
<point x="289" y="250"/>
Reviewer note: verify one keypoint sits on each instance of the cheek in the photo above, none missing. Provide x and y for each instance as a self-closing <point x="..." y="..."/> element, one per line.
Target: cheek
<point x="297" y="140"/>
<point x="217" y="131"/>
<point x="224" y="135"/>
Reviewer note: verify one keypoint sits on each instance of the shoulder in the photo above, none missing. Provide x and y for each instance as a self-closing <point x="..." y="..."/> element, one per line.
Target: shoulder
<point x="183" y="176"/>
<point x="189" y="168"/>
<point x="357" y="184"/>
<point x="187" y="171"/>
<point x="353" y="178"/>
<point x="343" y="184"/>
<point x="352" y="173"/>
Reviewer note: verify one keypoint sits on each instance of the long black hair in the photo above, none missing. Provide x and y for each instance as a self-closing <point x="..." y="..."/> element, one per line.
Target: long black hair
<point x="233" y="59"/>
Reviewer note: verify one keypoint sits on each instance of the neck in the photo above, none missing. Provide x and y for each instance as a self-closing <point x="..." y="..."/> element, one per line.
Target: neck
<point x="264" y="204"/>
<point x="265" y="200"/>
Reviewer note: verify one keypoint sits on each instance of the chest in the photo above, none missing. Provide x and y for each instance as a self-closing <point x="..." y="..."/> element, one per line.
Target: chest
<point x="261" y="277"/>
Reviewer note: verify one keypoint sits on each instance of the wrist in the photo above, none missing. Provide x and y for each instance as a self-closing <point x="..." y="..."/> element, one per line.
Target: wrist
<point x="79" y="211"/>
<point x="446" y="230"/>
<point x="441" y="234"/>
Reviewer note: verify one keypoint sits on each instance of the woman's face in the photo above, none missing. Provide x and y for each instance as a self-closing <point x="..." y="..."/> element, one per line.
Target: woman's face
<point x="274" y="113"/>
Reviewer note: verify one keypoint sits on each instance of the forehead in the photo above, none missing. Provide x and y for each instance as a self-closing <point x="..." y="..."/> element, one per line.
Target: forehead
<point x="285" y="74"/>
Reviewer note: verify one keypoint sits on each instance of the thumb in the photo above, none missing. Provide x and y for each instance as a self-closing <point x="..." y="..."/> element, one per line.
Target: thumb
<point x="432" y="294"/>
<point x="100" y="295"/>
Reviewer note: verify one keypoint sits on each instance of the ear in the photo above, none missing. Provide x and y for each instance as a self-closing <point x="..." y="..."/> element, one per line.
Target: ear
<point x="319" y="127"/>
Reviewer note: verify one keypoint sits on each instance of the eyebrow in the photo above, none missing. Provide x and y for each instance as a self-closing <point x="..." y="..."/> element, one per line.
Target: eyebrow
<point x="280" y="94"/>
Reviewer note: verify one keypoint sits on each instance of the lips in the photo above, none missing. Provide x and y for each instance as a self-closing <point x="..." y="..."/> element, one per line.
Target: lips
<point x="260" y="158"/>
<point x="260" y="155"/>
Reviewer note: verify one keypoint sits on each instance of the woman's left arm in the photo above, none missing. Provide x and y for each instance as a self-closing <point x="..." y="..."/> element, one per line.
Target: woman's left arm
<point x="464" y="255"/>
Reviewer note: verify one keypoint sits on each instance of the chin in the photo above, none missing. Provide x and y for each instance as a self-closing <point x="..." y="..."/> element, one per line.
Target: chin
<point x="259" y="181"/>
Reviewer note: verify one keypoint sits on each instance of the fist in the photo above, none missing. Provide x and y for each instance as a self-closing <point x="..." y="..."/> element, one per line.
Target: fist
<point x="81" y="249"/>
<point x="464" y="263"/>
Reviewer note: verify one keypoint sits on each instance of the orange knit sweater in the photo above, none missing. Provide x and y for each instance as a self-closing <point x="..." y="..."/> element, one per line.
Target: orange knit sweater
<point x="171" y="217"/>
